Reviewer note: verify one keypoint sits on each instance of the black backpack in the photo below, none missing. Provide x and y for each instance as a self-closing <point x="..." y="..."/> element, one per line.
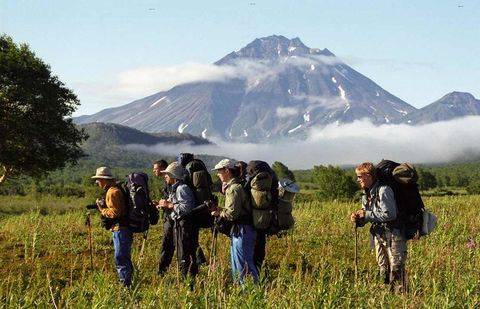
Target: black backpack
<point x="402" y="178"/>
<point x="141" y="213"/>
<point x="200" y="181"/>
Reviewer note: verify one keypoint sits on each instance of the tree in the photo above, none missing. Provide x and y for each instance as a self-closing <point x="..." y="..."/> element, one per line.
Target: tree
<point x="426" y="179"/>
<point x="474" y="186"/>
<point x="36" y="133"/>
<point x="282" y="171"/>
<point x="333" y="183"/>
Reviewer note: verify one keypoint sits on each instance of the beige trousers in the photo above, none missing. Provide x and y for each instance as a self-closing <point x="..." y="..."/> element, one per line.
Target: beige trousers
<point x="390" y="251"/>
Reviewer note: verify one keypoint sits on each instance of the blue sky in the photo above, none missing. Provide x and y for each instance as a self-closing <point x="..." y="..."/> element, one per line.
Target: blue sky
<point x="417" y="50"/>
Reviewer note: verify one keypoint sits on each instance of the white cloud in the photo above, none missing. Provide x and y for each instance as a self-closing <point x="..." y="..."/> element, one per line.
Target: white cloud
<point x="353" y="143"/>
<point x="326" y="102"/>
<point x="145" y="81"/>
<point x="284" y="112"/>
<point x="140" y="82"/>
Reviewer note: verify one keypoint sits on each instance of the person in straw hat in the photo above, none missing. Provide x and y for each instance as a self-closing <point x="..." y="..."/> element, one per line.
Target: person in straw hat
<point x="113" y="207"/>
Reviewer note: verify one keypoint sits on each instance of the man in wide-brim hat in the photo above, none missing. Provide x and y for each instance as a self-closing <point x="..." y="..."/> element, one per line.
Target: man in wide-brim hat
<point x="114" y="207"/>
<point x="181" y="201"/>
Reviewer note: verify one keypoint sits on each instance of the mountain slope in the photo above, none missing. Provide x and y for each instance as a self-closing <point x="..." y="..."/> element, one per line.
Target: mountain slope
<point x="279" y="88"/>
<point x="105" y="146"/>
<point x="450" y="106"/>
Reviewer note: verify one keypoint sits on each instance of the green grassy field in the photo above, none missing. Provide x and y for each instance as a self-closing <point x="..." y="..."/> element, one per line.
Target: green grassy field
<point x="45" y="262"/>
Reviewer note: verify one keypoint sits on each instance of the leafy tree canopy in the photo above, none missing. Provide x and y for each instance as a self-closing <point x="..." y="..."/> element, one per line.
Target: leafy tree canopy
<point x="36" y="133"/>
<point x="426" y="179"/>
<point x="334" y="183"/>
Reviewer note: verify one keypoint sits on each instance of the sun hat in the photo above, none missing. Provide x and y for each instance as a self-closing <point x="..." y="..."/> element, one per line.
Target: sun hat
<point x="174" y="170"/>
<point x="225" y="163"/>
<point x="103" y="172"/>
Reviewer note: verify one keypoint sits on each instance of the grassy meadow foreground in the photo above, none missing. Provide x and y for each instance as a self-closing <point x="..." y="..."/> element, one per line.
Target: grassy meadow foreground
<point x="45" y="262"/>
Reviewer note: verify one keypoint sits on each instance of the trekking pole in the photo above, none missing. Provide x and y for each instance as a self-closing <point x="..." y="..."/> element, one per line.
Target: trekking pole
<point x="142" y="247"/>
<point x="213" y="249"/>
<point x="88" y="222"/>
<point x="356" y="251"/>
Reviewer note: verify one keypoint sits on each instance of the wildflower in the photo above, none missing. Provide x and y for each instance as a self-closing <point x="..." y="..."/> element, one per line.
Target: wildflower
<point x="471" y="244"/>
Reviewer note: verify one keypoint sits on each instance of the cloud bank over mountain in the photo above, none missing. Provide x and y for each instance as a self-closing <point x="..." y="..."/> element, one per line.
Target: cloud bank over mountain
<point x="353" y="143"/>
<point x="145" y="81"/>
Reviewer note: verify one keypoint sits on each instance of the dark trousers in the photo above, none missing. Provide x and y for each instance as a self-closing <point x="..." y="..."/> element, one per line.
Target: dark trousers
<point x="168" y="245"/>
<point x="186" y="241"/>
<point x="259" y="250"/>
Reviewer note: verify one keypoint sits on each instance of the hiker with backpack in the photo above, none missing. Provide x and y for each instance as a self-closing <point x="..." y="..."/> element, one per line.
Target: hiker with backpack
<point x="379" y="207"/>
<point x="200" y="181"/>
<point x="113" y="208"/>
<point x="237" y="213"/>
<point x="167" y="247"/>
<point x="180" y="202"/>
<point x="262" y="186"/>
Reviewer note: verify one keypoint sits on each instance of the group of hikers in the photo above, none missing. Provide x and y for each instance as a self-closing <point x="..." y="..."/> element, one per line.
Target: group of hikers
<point x="256" y="205"/>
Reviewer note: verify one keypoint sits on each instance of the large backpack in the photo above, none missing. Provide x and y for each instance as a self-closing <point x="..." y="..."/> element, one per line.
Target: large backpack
<point x="402" y="178"/>
<point x="140" y="210"/>
<point x="287" y="191"/>
<point x="200" y="181"/>
<point x="262" y="188"/>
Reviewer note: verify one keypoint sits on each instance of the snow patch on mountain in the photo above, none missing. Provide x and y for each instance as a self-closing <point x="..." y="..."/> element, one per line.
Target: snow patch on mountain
<point x="158" y="101"/>
<point x="342" y="93"/>
<point x="182" y="127"/>
<point x="126" y="120"/>
<point x="401" y="111"/>
<point x="343" y="96"/>
<point x="306" y="117"/>
<point x="294" y="129"/>
<point x="204" y="133"/>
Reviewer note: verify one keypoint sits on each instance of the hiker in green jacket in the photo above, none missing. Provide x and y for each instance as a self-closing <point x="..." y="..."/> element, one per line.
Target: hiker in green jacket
<point x="238" y="212"/>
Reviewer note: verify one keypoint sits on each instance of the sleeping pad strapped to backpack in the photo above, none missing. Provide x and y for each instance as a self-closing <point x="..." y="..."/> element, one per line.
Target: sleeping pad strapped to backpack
<point x="402" y="178"/>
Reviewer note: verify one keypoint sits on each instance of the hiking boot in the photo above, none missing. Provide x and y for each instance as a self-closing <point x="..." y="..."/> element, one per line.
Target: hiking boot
<point x="397" y="282"/>
<point x="384" y="276"/>
<point x="200" y="257"/>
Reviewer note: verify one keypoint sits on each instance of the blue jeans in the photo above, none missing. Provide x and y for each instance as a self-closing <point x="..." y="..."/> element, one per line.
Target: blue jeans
<point x="122" y="244"/>
<point x="241" y="252"/>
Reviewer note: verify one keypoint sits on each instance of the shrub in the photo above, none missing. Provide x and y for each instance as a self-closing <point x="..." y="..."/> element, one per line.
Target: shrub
<point x="333" y="183"/>
<point x="474" y="186"/>
<point x="426" y="179"/>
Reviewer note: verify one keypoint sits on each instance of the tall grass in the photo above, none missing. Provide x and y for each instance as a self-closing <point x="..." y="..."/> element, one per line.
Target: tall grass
<point x="44" y="261"/>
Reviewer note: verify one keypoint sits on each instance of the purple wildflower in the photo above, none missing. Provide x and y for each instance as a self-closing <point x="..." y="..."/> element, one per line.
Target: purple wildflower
<point x="471" y="244"/>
